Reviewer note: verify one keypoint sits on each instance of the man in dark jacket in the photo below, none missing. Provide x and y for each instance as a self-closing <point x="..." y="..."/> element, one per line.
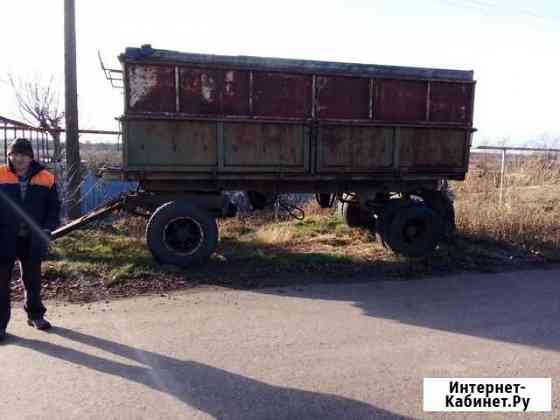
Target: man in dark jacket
<point x="29" y="211"/>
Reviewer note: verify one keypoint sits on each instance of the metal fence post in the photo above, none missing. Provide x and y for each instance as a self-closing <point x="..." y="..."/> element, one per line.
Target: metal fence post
<point x="502" y="176"/>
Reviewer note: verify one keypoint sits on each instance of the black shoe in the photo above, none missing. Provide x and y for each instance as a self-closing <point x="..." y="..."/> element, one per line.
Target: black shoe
<point x="40" y="324"/>
<point x="3" y="335"/>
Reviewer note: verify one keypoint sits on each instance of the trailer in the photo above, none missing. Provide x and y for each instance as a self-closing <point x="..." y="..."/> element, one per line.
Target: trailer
<point x="381" y="141"/>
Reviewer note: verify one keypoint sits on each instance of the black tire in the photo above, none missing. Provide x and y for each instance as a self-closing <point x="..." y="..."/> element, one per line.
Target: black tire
<point x="180" y="233"/>
<point x="353" y="215"/>
<point x="440" y="202"/>
<point x="385" y="217"/>
<point x="414" y="231"/>
<point x="324" y="200"/>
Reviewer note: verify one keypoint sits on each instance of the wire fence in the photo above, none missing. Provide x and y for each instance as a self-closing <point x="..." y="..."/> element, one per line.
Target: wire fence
<point x="520" y="153"/>
<point x="40" y="138"/>
<point x="93" y="191"/>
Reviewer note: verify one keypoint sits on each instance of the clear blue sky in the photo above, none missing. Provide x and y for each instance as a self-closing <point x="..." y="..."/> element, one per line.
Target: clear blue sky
<point x="513" y="46"/>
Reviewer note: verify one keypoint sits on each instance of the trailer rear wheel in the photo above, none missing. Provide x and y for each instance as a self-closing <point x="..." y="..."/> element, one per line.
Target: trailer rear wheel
<point x="414" y="231"/>
<point x="386" y="215"/>
<point x="181" y="233"/>
<point x="442" y="204"/>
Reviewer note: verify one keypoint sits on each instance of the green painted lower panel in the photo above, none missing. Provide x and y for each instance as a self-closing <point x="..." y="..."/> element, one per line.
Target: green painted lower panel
<point x="354" y="148"/>
<point x="227" y="147"/>
<point x="180" y="144"/>
<point x="265" y="147"/>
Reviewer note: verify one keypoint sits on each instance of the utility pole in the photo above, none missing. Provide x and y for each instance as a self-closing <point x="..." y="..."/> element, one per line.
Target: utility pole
<point x="73" y="167"/>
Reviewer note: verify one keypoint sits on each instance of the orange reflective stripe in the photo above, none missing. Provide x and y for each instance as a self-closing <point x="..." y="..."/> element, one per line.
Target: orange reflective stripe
<point x="44" y="179"/>
<point x="7" y="176"/>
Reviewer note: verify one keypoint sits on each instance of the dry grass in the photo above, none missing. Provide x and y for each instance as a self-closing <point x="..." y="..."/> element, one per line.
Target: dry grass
<point x="101" y="154"/>
<point x="529" y="216"/>
<point x="276" y="234"/>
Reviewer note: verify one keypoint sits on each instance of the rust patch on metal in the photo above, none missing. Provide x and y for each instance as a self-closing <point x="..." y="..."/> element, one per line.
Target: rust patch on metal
<point x="151" y="88"/>
<point x="214" y="91"/>
<point x="282" y="95"/>
<point x="235" y="93"/>
<point x="451" y="102"/>
<point x="199" y="91"/>
<point x="400" y="100"/>
<point x="342" y="97"/>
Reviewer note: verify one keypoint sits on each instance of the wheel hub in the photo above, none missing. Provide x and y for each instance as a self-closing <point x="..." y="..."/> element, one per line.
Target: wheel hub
<point x="414" y="231"/>
<point x="183" y="235"/>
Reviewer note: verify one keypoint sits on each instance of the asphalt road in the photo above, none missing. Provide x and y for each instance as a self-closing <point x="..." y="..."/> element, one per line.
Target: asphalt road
<point x="345" y="351"/>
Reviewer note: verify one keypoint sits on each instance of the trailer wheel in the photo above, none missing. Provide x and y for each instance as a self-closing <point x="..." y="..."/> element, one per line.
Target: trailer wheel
<point x="386" y="215"/>
<point x="414" y="231"/>
<point x="180" y="233"/>
<point x="353" y="215"/>
<point x="440" y="202"/>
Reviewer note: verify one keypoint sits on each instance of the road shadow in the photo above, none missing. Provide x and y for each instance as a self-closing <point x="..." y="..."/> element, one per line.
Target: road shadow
<point x="249" y="265"/>
<point x="514" y="307"/>
<point x="488" y="301"/>
<point x="221" y="394"/>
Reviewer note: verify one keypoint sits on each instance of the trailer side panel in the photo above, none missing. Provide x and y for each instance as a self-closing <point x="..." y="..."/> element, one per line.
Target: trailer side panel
<point x="224" y="117"/>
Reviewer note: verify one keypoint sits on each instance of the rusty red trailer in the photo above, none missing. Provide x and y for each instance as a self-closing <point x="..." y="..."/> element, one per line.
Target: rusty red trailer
<point x="220" y="118"/>
<point x="202" y="124"/>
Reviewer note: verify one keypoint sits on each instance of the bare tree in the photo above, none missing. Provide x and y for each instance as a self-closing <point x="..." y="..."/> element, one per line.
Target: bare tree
<point x="38" y="104"/>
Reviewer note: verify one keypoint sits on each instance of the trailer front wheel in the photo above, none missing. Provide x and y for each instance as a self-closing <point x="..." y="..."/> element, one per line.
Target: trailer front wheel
<point x="181" y="234"/>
